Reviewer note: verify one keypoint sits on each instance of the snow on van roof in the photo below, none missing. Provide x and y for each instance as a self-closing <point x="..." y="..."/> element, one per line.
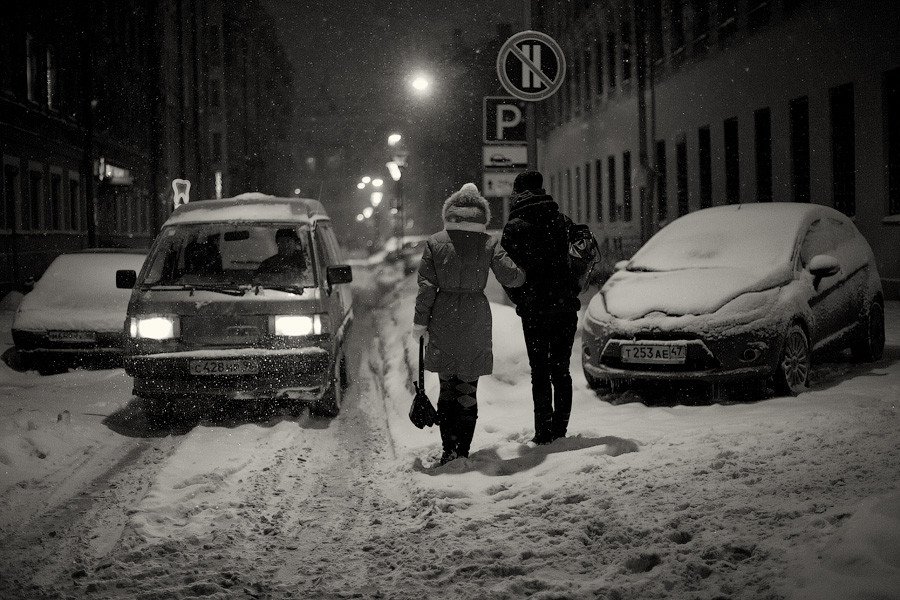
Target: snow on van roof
<point x="251" y="206"/>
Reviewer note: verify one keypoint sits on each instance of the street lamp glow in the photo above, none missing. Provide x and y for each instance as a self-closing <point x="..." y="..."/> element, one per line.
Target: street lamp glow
<point x="360" y="185"/>
<point x="297" y="192"/>
<point x="394" y="139"/>
<point x="394" y="169"/>
<point x="375" y="198"/>
<point x="366" y="179"/>
<point x="421" y="83"/>
<point x="368" y="211"/>
<point x="360" y="217"/>
<point x="377" y="182"/>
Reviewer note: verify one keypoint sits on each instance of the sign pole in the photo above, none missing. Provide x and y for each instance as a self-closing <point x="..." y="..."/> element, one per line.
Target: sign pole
<point x="531" y="127"/>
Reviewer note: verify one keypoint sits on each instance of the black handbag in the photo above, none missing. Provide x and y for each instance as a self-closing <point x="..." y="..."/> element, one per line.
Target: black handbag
<point x="422" y="412"/>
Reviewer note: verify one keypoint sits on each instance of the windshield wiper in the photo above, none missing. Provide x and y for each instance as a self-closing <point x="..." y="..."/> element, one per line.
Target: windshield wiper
<point x="229" y="289"/>
<point x="293" y="289"/>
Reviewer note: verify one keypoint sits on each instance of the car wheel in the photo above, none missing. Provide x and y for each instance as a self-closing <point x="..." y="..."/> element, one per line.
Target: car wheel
<point x="50" y="368"/>
<point x="869" y="346"/>
<point x="792" y="373"/>
<point x="159" y="414"/>
<point x="330" y="404"/>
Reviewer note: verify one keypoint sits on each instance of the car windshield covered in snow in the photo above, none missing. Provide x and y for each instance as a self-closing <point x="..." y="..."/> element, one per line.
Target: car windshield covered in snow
<point x="751" y="240"/>
<point x="232" y="255"/>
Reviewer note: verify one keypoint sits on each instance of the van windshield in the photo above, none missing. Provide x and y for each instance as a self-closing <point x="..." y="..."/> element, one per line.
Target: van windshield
<point x="232" y="255"/>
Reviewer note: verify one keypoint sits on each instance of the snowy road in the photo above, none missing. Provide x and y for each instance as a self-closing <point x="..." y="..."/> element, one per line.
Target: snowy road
<point x="781" y="498"/>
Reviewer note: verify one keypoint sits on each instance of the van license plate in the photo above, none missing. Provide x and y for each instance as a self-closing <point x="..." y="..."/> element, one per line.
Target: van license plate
<point x="224" y="367"/>
<point x="662" y="354"/>
<point x="72" y="336"/>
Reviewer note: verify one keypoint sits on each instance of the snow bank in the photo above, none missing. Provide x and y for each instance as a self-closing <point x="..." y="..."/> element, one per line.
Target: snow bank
<point x="669" y="501"/>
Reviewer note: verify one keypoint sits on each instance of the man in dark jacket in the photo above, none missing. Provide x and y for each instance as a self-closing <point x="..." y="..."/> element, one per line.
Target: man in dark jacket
<point x="536" y="238"/>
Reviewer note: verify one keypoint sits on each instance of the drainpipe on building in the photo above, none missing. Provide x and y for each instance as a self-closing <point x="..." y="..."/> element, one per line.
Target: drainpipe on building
<point x="87" y="113"/>
<point x="644" y="179"/>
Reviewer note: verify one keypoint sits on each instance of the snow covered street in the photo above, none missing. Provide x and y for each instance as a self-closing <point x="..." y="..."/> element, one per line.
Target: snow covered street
<point x="661" y="497"/>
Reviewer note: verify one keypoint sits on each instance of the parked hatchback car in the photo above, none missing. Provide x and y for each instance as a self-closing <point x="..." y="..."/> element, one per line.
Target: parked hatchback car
<point x="743" y="292"/>
<point x="240" y="299"/>
<point x="74" y="314"/>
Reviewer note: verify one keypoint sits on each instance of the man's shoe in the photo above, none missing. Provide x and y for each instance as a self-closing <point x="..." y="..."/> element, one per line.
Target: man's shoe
<point x="447" y="456"/>
<point x="542" y="439"/>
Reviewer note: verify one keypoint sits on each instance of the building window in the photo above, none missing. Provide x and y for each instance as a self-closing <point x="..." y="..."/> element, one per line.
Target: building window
<point x="598" y="64"/>
<point x="56" y="204"/>
<point x="32" y="81"/>
<point x="11" y="191"/>
<point x="732" y="164"/>
<point x="704" y="145"/>
<point x="52" y="100"/>
<point x="656" y="31"/>
<point x="843" y="151"/>
<point x="587" y="192"/>
<point x="681" y="177"/>
<point x="676" y="26"/>
<point x="586" y="66"/>
<point x="613" y="200"/>
<point x="215" y="94"/>
<point x="762" y="126"/>
<point x="799" y="118"/>
<point x="598" y="189"/>
<point x="216" y="146"/>
<point x="727" y="18"/>
<point x="758" y="12"/>
<point x="31" y="216"/>
<point x="700" y="9"/>
<point x="575" y="81"/>
<point x="891" y="93"/>
<point x="625" y="46"/>
<point x="626" y="186"/>
<point x="577" y="214"/>
<point x="662" y="199"/>
<point x="74" y="203"/>
<point x="611" y="55"/>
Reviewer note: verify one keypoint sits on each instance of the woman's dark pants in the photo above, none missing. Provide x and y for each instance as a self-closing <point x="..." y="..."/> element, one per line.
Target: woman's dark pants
<point x="457" y="413"/>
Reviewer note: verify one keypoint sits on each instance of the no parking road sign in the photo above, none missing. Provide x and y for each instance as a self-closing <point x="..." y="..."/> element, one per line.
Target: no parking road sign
<point x="531" y="65"/>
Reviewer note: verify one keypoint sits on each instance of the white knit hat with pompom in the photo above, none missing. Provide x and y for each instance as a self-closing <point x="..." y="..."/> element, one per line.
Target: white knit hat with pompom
<point x="466" y="209"/>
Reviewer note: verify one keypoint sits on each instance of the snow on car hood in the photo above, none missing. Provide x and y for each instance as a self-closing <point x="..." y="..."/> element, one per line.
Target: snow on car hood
<point x="632" y="295"/>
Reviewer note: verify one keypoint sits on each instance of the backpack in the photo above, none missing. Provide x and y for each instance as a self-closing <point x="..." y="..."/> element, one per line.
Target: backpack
<point x="584" y="254"/>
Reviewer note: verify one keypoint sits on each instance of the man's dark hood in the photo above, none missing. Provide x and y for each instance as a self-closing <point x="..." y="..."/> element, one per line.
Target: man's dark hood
<point x="533" y="206"/>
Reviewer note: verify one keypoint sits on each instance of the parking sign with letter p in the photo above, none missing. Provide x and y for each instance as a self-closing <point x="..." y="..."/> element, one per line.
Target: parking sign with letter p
<point x="504" y="120"/>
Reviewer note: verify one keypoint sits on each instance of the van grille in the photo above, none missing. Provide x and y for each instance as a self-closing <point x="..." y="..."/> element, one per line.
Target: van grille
<point x="224" y="330"/>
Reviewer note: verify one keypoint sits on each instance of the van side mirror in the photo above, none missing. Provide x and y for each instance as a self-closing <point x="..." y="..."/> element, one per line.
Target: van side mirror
<point x="822" y="266"/>
<point x="125" y="279"/>
<point x="339" y="274"/>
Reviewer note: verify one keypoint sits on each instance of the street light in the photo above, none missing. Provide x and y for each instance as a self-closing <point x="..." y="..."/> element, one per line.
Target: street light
<point x="366" y="179"/>
<point x="420" y="83"/>
<point x="368" y="211"/>
<point x="377" y="182"/>
<point x="394" y="169"/>
<point x="375" y="198"/>
<point x="360" y="185"/>
<point x="394" y="138"/>
<point x="360" y="217"/>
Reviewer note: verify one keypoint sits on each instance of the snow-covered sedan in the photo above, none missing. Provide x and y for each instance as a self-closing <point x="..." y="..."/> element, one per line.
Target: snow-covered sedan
<point x="741" y="292"/>
<point x="75" y="313"/>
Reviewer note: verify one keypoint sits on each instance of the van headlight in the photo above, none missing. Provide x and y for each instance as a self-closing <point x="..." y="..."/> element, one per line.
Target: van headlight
<point x="156" y="327"/>
<point x="296" y="325"/>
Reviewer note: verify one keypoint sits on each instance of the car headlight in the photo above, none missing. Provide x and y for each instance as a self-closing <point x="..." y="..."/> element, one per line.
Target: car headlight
<point x="157" y="327"/>
<point x="294" y="325"/>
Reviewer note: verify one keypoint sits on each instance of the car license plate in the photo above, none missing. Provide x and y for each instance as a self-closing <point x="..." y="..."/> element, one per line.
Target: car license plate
<point x="224" y="367"/>
<point x="72" y="336"/>
<point x="663" y="354"/>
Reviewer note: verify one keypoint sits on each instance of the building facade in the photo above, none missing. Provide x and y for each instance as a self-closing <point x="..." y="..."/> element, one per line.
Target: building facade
<point x="744" y="101"/>
<point x="103" y="103"/>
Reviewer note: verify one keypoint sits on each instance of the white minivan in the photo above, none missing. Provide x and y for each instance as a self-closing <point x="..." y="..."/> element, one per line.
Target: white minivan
<point x="240" y="299"/>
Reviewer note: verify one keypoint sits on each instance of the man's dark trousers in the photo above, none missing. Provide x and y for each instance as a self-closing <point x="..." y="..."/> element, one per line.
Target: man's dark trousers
<point x="549" y="338"/>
